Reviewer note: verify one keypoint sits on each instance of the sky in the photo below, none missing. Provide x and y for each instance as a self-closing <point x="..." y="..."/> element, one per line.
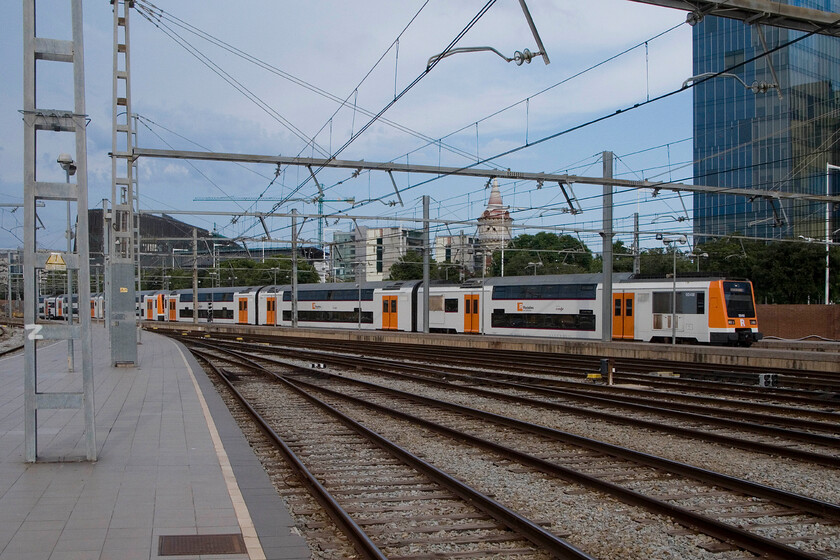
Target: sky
<point x="314" y="54"/>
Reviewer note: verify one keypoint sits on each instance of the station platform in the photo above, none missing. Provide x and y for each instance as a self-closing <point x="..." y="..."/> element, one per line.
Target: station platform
<point x="174" y="476"/>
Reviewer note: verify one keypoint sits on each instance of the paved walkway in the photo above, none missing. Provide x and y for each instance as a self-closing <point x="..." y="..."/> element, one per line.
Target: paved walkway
<point x="171" y="462"/>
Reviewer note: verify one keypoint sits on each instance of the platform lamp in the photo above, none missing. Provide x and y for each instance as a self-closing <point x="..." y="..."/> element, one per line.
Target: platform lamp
<point x="671" y="242"/>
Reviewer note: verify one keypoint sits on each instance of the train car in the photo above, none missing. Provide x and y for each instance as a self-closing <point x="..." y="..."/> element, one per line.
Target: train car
<point x="97" y="306"/>
<point x="335" y="305"/>
<point x="247" y="306"/>
<point x="711" y="310"/>
<point x="214" y="304"/>
<point x="269" y="302"/>
<point x="154" y="305"/>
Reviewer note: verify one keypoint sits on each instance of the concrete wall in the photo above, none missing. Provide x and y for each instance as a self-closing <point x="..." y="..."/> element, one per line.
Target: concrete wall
<point x="797" y="321"/>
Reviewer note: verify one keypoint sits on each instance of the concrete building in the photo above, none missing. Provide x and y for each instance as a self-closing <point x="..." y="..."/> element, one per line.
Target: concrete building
<point x="461" y="251"/>
<point x="755" y="140"/>
<point x="368" y="253"/>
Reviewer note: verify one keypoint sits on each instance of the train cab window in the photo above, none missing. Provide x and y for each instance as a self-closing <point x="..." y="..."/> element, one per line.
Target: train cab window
<point x="450" y="305"/>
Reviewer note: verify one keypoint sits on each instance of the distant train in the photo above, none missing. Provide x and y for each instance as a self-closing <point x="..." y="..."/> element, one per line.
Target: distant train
<point x="708" y="310"/>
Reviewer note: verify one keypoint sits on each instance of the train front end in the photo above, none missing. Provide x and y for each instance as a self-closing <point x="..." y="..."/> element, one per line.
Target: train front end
<point x="732" y="316"/>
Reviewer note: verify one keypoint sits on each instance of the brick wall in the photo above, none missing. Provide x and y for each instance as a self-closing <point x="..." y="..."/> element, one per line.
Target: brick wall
<point x="797" y="321"/>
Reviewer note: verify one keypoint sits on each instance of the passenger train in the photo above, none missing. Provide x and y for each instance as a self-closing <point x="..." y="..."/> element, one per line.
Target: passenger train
<point x="708" y="310"/>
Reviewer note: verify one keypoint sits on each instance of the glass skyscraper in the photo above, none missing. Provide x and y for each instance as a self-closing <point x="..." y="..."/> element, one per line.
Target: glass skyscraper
<point x="765" y="141"/>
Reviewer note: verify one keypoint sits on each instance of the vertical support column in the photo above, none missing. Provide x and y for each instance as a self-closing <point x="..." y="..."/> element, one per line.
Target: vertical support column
<point x="607" y="250"/>
<point x="123" y="323"/>
<point x="426" y="251"/>
<point x="637" y="250"/>
<point x="195" y="276"/>
<point x="52" y="120"/>
<point x="294" y="271"/>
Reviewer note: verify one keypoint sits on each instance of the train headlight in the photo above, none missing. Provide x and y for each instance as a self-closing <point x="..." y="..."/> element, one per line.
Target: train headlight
<point x="731" y="322"/>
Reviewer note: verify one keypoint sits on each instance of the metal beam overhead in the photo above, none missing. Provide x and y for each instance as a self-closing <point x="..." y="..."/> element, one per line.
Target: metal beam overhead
<point x="471" y="172"/>
<point x="764" y="12"/>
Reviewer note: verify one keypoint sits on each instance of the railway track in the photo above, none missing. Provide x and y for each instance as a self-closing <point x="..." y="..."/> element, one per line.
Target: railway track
<point x="389" y="502"/>
<point x="683" y="493"/>
<point x="811" y="439"/>
<point x="693" y="376"/>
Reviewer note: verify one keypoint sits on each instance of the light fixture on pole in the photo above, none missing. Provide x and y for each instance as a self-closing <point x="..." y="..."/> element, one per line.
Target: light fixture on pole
<point x="671" y="242"/>
<point x="69" y="166"/>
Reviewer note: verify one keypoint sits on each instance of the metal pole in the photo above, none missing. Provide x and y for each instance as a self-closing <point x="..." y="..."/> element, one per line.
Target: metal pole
<point x="828" y="228"/>
<point x="195" y="276"/>
<point x="637" y="259"/>
<point x="503" y="261"/>
<point x="9" y="282"/>
<point x="426" y="251"/>
<point x="359" y="286"/>
<point x="606" y="251"/>
<point x="71" y="359"/>
<point x="294" y="271"/>
<point x="674" y="298"/>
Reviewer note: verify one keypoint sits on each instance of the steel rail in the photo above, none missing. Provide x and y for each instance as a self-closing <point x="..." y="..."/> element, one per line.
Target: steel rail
<point x="519" y="524"/>
<point x="764" y="448"/>
<point x="832" y="418"/>
<point x="712" y="527"/>
<point x="524" y="361"/>
<point x="361" y="542"/>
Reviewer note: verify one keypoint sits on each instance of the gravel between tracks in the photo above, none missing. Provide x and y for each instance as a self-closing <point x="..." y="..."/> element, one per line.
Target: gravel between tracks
<point x="815" y="481"/>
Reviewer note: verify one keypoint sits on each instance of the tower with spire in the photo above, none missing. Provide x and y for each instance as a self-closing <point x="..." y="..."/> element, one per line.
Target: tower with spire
<point x="495" y="224"/>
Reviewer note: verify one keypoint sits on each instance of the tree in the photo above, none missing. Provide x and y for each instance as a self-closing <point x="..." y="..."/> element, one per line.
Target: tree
<point x="561" y="254"/>
<point x="410" y="267"/>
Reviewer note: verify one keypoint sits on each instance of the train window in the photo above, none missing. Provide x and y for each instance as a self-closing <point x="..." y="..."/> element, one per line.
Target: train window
<point x="738" y="297"/>
<point x="553" y="321"/>
<point x="475" y="306"/>
<point x="550" y="291"/>
<point x="628" y="308"/>
<point x="688" y="303"/>
<point x="394" y="305"/>
<point x="450" y="305"/>
<point x="384" y="306"/>
<point x="617" y="311"/>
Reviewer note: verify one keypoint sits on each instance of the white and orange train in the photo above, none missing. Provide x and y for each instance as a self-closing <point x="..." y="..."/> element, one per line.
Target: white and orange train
<point x="707" y="310"/>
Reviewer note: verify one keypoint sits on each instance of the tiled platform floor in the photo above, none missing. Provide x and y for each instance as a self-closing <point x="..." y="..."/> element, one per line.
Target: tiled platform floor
<point x="171" y="461"/>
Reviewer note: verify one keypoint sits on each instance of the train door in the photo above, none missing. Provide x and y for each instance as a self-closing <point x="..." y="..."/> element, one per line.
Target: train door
<point x="243" y="311"/>
<point x="172" y="313"/>
<point x="389" y="313"/>
<point x="471" y="313"/>
<point x="160" y="308"/>
<point x="149" y="306"/>
<point x="93" y="309"/>
<point x="271" y="311"/>
<point x="623" y="316"/>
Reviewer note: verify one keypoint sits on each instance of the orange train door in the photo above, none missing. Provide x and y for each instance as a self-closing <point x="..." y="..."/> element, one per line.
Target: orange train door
<point x="623" y="319"/>
<point x="389" y="313"/>
<point x="92" y="309"/>
<point x="149" y="308"/>
<point x="172" y="316"/>
<point x="243" y="311"/>
<point x="471" y="315"/>
<point x="271" y="311"/>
